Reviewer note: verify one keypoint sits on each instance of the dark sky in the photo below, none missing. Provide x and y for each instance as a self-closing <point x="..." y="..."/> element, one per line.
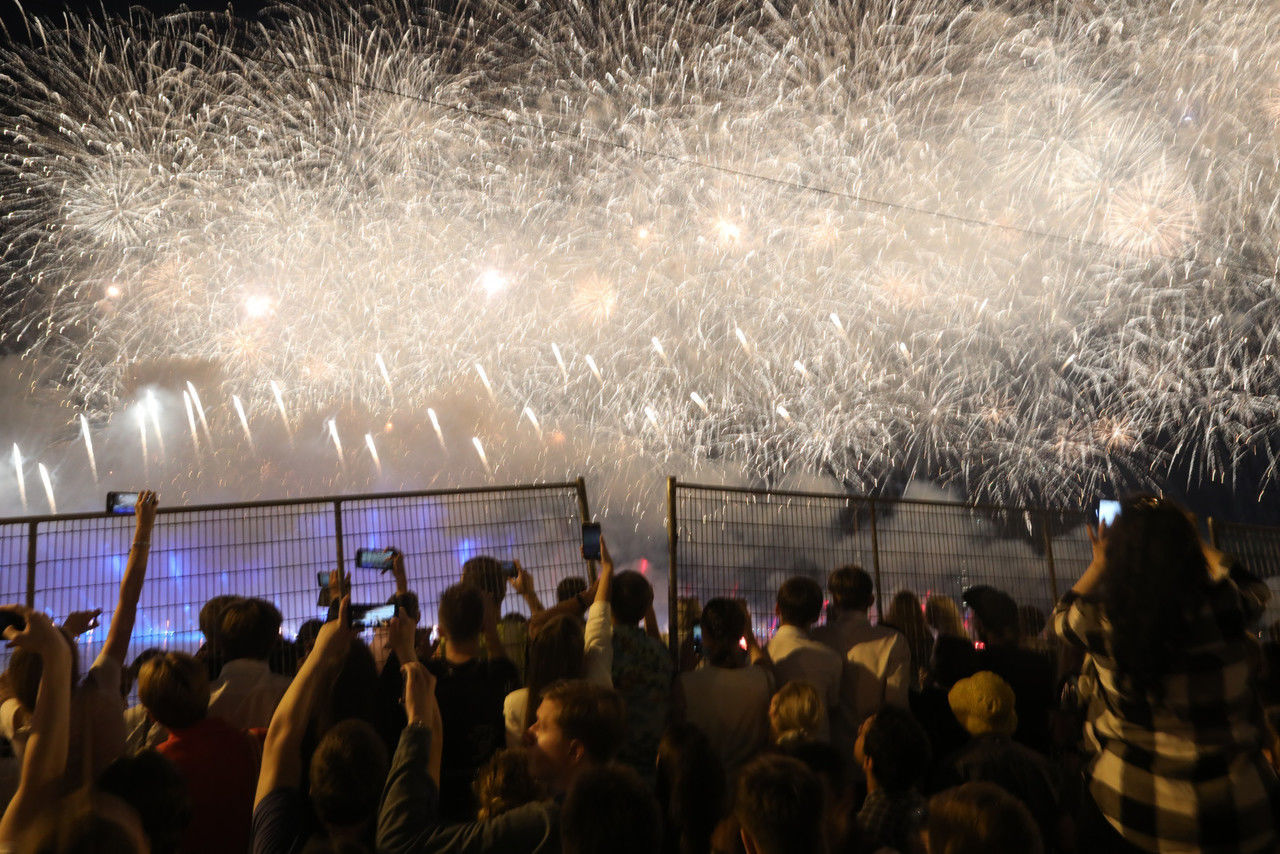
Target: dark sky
<point x="12" y="17"/>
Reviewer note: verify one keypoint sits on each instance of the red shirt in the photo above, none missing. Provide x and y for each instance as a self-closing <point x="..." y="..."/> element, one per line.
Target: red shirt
<point x="220" y="765"/>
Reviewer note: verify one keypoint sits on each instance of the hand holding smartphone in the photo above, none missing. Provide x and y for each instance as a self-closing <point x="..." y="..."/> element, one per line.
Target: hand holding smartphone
<point x="591" y="541"/>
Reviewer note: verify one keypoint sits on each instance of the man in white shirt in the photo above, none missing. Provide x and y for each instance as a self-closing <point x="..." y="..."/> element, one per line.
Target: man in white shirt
<point x="246" y="692"/>
<point x="798" y="657"/>
<point x="877" y="660"/>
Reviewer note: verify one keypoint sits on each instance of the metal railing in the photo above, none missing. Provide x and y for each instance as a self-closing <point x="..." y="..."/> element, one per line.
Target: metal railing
<point x="276" y="550"/>
<point x="1258" y="548"/>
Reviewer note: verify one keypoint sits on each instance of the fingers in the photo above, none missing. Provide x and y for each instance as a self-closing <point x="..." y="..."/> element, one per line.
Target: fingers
<point x="344" y="612"/>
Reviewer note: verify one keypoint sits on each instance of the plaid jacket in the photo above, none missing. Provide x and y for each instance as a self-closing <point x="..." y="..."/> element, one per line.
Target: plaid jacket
<point x="1182" y="771"/>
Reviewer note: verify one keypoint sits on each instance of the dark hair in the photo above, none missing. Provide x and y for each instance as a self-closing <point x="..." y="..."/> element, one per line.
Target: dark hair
<point x="249" y="628"/>
<point x="84" y="821"/>
<point x="631" y="595"/>
<point x="555" y="653"/>
<point x="799" y="601"/>
<point x="780" y="805"/>
<point x="347" y="773"/>
<point x="723" y="622"/>
<point x="898" y="748"/>
<point x="174" y="689"/>
<point x="353" y="694"/>
<point x="129" y="676"/>
<point x="851" y="588"/>
<point x="504" y="783"/>
<point x="690" y="789"/>
<point x="486" y="573"/>
<point x="26" y="668"/>
<point x="462" y="612"/>
<point x="307" y="634"/>
<point x="609" y="810"/>
<point x="154" y="787"/>
<point x="1156" y="577"/>
<point x="822" y="759"/>
<point x="980" y="818"/>
<point x="211" y="618"/>
<point x="570" y="587"/>
<point x="589" y="713"/>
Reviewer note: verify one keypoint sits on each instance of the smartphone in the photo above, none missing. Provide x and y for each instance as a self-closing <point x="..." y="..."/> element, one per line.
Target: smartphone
<point x="9" y="618"/>
<point x="375" y="558"/>
<point x="590" y="541"/>
<point x="697" y="638"/>
<point x="122" y="503"/>
<point x="322" y="578"/>
<point x="509" y="568"/>
<point x="367" y="616"/>
<point x="1107" y="512"/>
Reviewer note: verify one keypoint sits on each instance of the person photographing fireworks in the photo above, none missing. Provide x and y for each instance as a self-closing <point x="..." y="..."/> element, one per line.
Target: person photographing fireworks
<point x="1173" y="721"/>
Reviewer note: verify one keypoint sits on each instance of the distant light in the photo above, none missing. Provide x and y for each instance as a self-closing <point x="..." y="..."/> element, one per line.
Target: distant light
<point x="493" y="282"/>
<point x="114" y="292"/>
<point x="258" y="306"/>
<point x="728" y="231"/>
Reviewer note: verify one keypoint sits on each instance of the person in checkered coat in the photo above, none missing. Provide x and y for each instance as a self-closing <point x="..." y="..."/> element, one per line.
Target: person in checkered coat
<point x="1174" y="722"/>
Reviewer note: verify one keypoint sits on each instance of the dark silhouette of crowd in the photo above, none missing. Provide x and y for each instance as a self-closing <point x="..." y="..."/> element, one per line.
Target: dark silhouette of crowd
<point x="1138" y="716"/>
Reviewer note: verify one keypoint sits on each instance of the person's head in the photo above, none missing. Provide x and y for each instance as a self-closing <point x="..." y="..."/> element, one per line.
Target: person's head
<point x="980" y="818"/>
<point x="690" y="787"/>
<point x="486" y="573"/>
<point x="796" y="712"/>
<point x="799" y="602"/>
<point x="156" y="790"/>
<point x="984" y="703"/>
<point x="249" y="628"/>
<point x="723" y="624"/>
<point x="211" y="619"/>
<point x="570" y="587"/>
<point x="943" y="616"/>
<point x="1156" y="577"/>
<point x="609" y="810"/>
<point x="630" y="595"/>
<point x="306" y="638"/>
<point x="833" y="770"/>
<point x="578" y="723"/>
<point x="779" y="806"/>
<point x="555" y="653"/>
<point x="504" y="783"/>
<point x="347" y="772"/>
<point x="893" y="750"/>
<point x="995" y="614"/>
<point x="851" y="589"/>
<point x="462" y="612"/>
<point x="174" y="689"/>
<point x="906" y="615"/>
<point x="26" y="667"/>
<point x="353" y="692"/>
<point x="86" y="822"/>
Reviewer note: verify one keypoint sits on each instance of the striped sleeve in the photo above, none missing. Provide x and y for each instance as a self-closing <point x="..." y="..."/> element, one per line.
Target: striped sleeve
<point x="1078" y="621"/>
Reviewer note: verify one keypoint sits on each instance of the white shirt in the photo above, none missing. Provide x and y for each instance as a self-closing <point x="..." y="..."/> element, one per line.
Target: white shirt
<point x="246" y="693"/>
<point x="730" y="705"/>
<point x="797" y="657"/>
<point x="597" y="666"/>
<point x="877" y="668"/>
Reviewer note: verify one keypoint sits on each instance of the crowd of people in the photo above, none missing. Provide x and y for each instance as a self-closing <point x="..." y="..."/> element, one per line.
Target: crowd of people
<point x="1133" y="718"/>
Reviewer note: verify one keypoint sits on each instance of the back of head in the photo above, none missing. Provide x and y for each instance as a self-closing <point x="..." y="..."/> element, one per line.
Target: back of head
<point x="898" y="748"/>
<point x="570" y="587"/>
<point x="799" y="601"/>
<point x="555" y="653"/>
<point x="354" y="691"/>
<point x="504" y="783"/>
<point x="796" y="712"/>
<point x="851" y="588"/>
<point x="825" y="761"/>
<point x="462" y="612"/>
<point x="980" y="818"/>
<point x="631" y="597"/>
<point x="211" y="619"/>
<point x="174" y="689"/>
<point x="486" y="573"/>
<point x="609" y="810"/>
<point x="249" y="628"/>
<point x="779" y="804"/>
<point x="347" y="772"/>
<point x="723" y="620"/>
<point x="906" y="615"/>
<point x="690" y="786"/>
<point x="26" y="667"/>
<point x="591" y="714"/>
<point x="1157" y="575"/>
<point x="156" y="790"/>
<point x="85" y="823"/>
<point x="943" y="616"/>
<point x="996" y="612"/>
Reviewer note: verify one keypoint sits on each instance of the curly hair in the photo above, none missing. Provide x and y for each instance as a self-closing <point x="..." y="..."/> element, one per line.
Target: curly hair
<point x="1155" y="579"/>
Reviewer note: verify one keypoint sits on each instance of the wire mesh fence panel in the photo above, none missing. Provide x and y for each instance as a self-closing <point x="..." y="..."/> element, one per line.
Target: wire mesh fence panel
<point x="541" y="527"/>
<point x="744" y="544"/>
<point x="14" y="539"/>
<point x="1258" y="548"/>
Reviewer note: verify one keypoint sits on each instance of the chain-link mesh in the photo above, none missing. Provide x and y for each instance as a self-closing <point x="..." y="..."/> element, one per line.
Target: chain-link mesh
<point x="1258" y="548"/>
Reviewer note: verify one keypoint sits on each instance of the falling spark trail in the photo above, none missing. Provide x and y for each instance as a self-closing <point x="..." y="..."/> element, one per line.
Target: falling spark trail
<point x="244" y="421"/>
<point x="484" y="378"/>
<point x="195" y="398"/>
<point x="702" y="404"/>
<point x="591" y="363"/>
<point x="48" y="488"/>
<point x="140" y="415"/>
<point x="21" y="477"/>
<point x="475" y="441"/>
<point x="88" y="447"/>
<point x="191" y="423"/>
<point x="153" y="412"/>
<point x="337" y="443"/>
<point x="284" y="414"/>
<point x="435" y="425"/>
<point x="386" y="377"/>
<point x="533" y="419"/>
<point x="373" y="452"/>
<point x="564" y="369"/>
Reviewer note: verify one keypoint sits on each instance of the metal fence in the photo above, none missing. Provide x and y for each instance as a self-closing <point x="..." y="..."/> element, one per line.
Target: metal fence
<point x="1258" y="548"/>
<point x="276" y="550"/>
<point x="744" y="543"/>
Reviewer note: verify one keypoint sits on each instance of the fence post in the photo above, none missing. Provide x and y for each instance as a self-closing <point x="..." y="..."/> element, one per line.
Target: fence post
<point x="673" y="627"/>
<point x="32" y="536"/>
<point x="875" y="561"/>
<point x="584" y="512"/>
<point x="337" y="536"/>
<point x="1048" y="554"/>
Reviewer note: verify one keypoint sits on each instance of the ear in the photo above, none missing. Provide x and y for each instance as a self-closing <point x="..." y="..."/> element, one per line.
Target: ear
<point x="577" y="752"/>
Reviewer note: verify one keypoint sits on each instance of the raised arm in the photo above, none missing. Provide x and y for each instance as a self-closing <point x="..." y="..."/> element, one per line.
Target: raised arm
<point x="598" y="639"/>
<point x="282" y="752"/>
<point x="522" y="583"/>
<point x="45" y="760"/>
<point x="135" y="572"/>
<point x="758" y="655"/>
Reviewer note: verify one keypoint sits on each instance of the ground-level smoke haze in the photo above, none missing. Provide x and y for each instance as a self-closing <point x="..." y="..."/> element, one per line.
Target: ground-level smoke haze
<point x="1024" y="251"/>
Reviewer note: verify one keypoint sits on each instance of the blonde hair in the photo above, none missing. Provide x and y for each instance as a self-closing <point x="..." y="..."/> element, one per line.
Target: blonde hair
<point x="943" y="616"/>
<point x="504" y="783"/>
<point x="174" y="689"/>
<point x="795" y="712"/>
